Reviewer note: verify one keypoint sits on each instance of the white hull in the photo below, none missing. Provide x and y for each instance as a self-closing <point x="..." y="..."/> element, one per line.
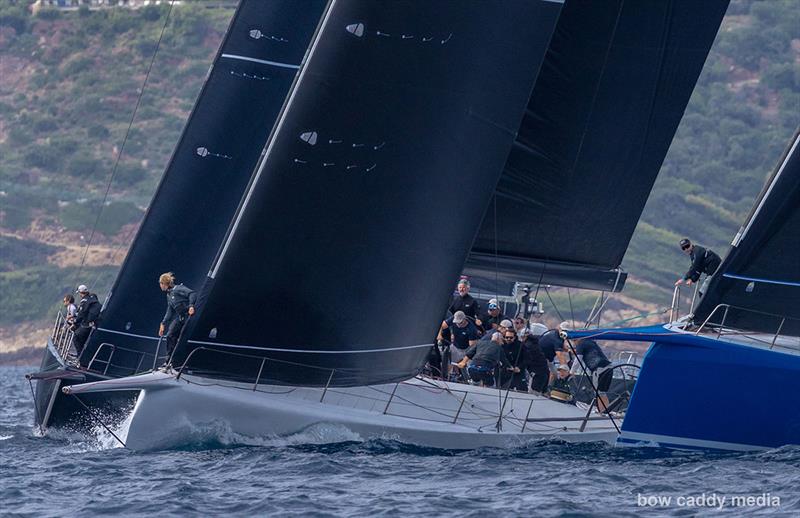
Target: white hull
<point x="422" y="412"/>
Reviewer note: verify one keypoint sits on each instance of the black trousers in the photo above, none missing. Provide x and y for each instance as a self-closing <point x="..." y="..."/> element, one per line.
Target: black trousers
<point x="540" y="379"/>
<point x="174" y="332"/>
<point x="79" y="337"/>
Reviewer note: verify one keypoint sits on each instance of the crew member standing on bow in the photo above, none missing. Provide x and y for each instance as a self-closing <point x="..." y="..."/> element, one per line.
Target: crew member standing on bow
<point x="704" y="260"/>
<point x="180" y="306"/>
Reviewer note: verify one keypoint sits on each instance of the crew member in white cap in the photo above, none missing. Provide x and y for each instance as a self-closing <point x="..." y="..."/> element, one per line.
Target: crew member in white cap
<point x="88" y="313"/>
<point x="493" y="316"/>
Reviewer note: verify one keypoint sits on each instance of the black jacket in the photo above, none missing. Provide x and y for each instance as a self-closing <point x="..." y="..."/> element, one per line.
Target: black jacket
<point x="703" y="261"/>
<point x="179" y="298"/>
<point x="467" y="304"/>
<point x="88" y="311"/>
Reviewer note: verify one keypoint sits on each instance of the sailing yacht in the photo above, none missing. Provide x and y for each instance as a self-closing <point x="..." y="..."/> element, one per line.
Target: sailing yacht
<point x="725" y="377"/>
<point x="401" y="145"/>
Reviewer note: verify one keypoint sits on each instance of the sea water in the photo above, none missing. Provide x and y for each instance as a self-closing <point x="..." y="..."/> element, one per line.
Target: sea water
<point x="329" y="471"/>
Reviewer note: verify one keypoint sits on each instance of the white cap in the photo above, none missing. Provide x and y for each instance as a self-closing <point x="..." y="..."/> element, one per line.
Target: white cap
<point x="459" y="316"/>
<point x="506" y="323"/>
<point x="538" y="329"/>
<point x="82" y="289"/>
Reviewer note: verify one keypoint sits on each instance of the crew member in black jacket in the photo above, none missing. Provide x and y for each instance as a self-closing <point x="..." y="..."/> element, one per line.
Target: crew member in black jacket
<point x="180" y="306"/>
<point x="88" y="313"/>
<point x="704" y="260"/>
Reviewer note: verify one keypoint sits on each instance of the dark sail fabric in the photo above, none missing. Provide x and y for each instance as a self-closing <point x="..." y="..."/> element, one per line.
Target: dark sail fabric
<point x="209" y="170"/>
<point x="759" y="278"/>
<point x="368" y="199"/>
<point x="612" y="89"/>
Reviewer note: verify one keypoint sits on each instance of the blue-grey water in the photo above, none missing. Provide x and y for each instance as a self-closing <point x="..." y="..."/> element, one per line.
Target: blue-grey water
<point x="69" y="475"/>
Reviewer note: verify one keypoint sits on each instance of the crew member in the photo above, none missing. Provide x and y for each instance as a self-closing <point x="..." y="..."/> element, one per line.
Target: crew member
<point x="85" y="318"/>
<point x="180" y="306"/>
<point x="486" y="356"/>
<point x="463" y="332"/>
<point x="704" y="260"/>
<point x="463" y="301"/>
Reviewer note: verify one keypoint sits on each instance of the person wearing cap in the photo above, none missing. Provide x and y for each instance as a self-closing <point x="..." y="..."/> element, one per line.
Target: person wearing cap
<point x="463" y="301"/>
<point x="493" y="316"/>
<point x="704" y="260"/>
<point x="536" y="362"/>
<point x="85" y="318"/>
<point x="463" y="335"/>
<point x="484" y="358"/>
<point x="180" y="306"/>
<point x="552" y="345"/>
<point x="561" y="389"/>
<point x="591" y="356"/>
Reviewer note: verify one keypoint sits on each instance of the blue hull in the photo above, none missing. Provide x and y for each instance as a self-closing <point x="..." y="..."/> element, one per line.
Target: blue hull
<point x="694" y="392"/>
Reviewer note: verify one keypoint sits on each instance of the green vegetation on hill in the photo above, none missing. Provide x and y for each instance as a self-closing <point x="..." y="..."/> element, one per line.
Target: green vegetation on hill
<point x="69" y="82"/>
<point x="742" y="113"/>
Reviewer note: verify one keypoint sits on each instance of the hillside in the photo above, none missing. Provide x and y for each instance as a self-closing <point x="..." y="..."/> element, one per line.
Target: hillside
<point x="70" y="81"/>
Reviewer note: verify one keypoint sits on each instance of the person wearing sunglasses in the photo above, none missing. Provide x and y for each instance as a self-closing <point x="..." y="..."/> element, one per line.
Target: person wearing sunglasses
<point x="704" y="260"/>
<point x="493" y="316"/>
<point x="484" y="358"/>
<point x="517" y="358"/>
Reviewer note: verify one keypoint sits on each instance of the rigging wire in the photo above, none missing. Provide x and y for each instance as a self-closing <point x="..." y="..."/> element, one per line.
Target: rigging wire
<point x="124" y="141"/>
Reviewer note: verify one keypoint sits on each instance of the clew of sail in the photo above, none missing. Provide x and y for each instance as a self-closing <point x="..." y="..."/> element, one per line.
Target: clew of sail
<point x="757" y="285"/>
<point x="372" y="186"/>
<point x="613" y="87"/>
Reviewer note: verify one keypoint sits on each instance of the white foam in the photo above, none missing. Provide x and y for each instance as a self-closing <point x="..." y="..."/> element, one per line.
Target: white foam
<point x="5" y="437"/>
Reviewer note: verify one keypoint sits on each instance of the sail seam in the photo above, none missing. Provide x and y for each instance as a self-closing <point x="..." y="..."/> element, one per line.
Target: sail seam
<point x="127" y="334"/>
<point x="262" y="61"/>
<point x="756" y="279"/>
<point x="276" y="349"/>
<point x="271" y="144"/>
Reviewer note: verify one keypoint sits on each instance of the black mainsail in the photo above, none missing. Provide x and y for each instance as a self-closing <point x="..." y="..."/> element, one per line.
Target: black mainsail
<point x="366" y="204"/>
<point x="613" y="87"/>
<point x="208" y="172"/>
<point x="757" y="286"/>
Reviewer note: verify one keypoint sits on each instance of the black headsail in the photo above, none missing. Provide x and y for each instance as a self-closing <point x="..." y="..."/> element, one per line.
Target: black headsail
<point x="373" y="184"/>
<point x="209" y="170"/>
<point x="613" y="87"/>
<point x="757" y="286"/>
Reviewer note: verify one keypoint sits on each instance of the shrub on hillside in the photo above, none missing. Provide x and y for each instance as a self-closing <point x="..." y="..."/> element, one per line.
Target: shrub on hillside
<point x="82" y="166"/>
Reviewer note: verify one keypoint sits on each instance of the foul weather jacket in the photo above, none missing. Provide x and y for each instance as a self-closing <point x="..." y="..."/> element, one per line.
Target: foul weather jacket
<point x="703" y="261"/>
<point x="88" y="311"/>
<point x="179" y="299"/>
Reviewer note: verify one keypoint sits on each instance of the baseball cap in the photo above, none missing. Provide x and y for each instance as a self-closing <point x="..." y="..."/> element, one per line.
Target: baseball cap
<point x="538" y="329"/>
<point x="506" y="323"/>
<point x="82" y="289"/>
<point x="458" y="317"/>
<point x="493" y="304"/>
<point x="685" y="243"/>
<point x="563" y="367"/>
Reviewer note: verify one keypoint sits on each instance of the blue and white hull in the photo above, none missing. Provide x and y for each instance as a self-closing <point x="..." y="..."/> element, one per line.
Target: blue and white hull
<point x="700" y="392"/>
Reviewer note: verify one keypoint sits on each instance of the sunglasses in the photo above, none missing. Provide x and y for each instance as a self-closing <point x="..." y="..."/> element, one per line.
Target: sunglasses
<point x="508" y="338"/>
<point x="686" y="247"/>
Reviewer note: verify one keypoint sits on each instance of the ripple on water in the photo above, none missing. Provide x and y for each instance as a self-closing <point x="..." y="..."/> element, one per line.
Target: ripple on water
<point x="328" y="470"/>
